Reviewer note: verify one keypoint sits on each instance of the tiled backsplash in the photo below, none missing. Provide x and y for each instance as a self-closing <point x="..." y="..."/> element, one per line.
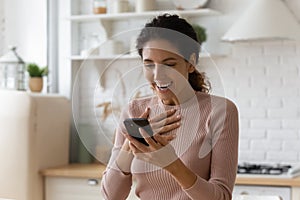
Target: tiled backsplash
<point x="263" y="79"/>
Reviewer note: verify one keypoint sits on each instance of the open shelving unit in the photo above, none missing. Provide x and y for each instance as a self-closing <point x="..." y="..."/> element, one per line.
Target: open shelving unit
<point x="124" y="57"/>
<point x="106" y="21"/>
<point x="130" y="15"/>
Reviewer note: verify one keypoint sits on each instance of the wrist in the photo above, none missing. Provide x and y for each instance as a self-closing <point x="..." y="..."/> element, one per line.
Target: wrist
<point x="124" y="161"/>
<point x="125" y="158"/>
<point x="126" y="147"/>
<point x="184" y="176"/>
<point x="174" y="167"/>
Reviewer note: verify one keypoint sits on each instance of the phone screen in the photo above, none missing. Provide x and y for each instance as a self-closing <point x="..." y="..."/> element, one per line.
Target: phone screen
<point x="132" y="126"/>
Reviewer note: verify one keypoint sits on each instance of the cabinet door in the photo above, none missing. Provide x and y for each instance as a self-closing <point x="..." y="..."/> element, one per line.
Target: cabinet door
<point x="72" y="189"/>
<point x="283" y="192"/>
<point x="295" y="193"/>
<point x="77" y="189"/>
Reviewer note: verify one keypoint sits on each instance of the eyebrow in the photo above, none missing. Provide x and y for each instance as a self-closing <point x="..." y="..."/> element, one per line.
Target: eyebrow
<point x="167" y="59"/>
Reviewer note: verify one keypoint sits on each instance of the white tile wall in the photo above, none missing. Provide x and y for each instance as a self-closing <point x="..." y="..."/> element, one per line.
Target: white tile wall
<point x="269" y="106"/>
<point x="263" y="79"/>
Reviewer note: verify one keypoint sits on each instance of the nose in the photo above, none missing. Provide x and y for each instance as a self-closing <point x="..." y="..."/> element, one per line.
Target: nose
<point x="159" y="72"/>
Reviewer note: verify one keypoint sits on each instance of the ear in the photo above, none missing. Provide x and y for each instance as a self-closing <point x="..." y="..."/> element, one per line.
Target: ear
<point x="192" y="63"/>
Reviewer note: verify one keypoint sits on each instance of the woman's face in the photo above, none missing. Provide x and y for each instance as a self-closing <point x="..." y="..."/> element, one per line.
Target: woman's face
<point x="167" y="71"/>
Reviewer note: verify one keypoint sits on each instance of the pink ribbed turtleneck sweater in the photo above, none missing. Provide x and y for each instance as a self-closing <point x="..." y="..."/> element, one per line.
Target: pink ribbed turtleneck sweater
<point x="207" y="142"/>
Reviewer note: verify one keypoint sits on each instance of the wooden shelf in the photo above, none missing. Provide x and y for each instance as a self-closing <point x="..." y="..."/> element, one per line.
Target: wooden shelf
<point x="95" y="57"/>
<point x="128" y="15"/>
<point x="75" y="171"/>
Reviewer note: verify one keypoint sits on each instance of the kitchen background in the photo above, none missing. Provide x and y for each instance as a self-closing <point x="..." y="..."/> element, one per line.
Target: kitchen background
<point x="2" y="27"/>
<point x="262" y="78"/>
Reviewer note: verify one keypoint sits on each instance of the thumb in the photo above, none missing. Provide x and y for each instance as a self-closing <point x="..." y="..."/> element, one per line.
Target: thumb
<point x="145" y="114"/>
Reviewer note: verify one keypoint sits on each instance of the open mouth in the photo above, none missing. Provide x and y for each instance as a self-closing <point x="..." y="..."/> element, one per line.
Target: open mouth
<point x="163" y="86"/>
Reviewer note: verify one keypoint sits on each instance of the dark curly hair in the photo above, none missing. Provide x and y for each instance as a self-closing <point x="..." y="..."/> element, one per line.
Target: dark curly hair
<point x="175" y="29"/>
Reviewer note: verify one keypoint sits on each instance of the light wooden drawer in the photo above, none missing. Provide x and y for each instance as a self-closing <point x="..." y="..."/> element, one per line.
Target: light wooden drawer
<point x="58" y="188"/>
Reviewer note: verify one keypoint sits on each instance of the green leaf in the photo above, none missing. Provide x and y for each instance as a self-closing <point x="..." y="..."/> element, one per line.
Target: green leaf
<point x="201" y="33"/>
<point x="35" y="71"/>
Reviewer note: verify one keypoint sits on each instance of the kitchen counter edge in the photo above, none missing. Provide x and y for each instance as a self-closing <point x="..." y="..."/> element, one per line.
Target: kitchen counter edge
<point x="96" y="170"/>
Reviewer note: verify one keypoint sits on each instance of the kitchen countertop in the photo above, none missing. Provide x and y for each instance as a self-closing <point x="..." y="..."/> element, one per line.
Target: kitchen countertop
<point x="75" y="171"/>
<point x="96" y="170"/>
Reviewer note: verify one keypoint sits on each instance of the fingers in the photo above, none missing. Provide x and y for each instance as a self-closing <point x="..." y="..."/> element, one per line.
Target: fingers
<point x="168" y="138"/>
<point x="167" y="128"/>
<point x="163" y="116"/>
<point x="165" y="122"/>
<point x="147" y="137"/>
<point x="155" y="143"/>
<point x="161" y="123"/>
<point x="145" y="114"/>
<point x="135" y="145"/>
<point x="161" y="140"/>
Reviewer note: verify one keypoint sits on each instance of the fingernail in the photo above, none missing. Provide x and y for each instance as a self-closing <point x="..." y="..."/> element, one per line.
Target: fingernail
<point x="178" y="116"/>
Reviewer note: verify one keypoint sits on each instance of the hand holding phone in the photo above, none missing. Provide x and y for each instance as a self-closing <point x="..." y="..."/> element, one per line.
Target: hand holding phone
<point x="162" y="156"/>
<point x="132" y="126"/>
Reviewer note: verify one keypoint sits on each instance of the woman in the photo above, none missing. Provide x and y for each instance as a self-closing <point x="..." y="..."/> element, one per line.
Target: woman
<point x="193" y="154"/>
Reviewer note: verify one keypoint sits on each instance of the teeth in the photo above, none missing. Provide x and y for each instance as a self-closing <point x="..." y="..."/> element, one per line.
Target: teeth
<point x="163" y="86"/>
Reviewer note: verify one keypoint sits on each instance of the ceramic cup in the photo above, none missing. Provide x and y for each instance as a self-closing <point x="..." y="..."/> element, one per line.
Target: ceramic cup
<point x="144" y="5"/>
<point x="119" y="6"/>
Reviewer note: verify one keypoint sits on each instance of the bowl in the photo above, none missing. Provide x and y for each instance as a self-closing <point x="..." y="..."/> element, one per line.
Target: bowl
<point x="189" y="4"/>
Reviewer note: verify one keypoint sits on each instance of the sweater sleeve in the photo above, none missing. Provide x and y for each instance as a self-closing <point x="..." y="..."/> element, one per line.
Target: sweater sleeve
<point x="115" y="184"/>
<point x="224" y="129"/>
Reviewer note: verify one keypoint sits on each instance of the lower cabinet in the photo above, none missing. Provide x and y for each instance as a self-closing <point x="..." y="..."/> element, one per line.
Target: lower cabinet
<point x="58" y="188"/>
<point x="295" y="193"/>
<point x="61" y="188"/>
<point x="283" y="192"/>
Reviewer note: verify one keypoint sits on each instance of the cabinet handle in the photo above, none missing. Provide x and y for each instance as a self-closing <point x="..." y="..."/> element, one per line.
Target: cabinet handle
<point x="244" y="193"/>
<point x="92" y="182"/>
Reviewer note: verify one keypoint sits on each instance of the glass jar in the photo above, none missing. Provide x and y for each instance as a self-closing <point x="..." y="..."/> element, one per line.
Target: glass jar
<point x="99" y="6"/>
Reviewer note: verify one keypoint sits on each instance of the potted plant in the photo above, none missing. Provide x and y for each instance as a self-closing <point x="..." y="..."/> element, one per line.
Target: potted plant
<point x="201" y="33"/>
<point x="36" y="74"/>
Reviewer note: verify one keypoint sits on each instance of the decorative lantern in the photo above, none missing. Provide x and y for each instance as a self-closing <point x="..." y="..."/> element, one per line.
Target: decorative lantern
<point x="12" y="71"/>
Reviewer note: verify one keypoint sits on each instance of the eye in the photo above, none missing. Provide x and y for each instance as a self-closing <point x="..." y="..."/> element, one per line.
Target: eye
<point x="149" y="65"/>
<point x="170" y="64"/>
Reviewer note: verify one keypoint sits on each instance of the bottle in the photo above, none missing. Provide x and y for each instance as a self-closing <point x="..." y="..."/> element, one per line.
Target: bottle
<point x="99" y="6"/>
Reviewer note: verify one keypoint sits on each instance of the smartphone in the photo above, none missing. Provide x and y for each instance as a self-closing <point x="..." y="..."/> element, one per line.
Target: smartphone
<point x="132" y="126"/>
